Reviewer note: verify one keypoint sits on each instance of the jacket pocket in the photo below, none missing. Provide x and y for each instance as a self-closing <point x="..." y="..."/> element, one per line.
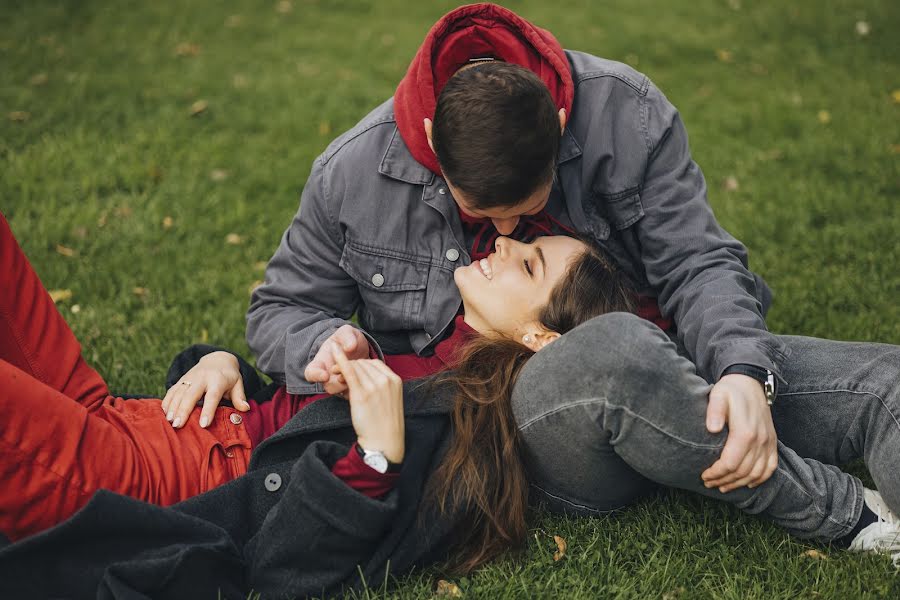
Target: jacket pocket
<point x="391" y="285"/>
<point x="623" y="209"/>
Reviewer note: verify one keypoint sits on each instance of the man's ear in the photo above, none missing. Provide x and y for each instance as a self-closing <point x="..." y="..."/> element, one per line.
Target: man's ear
<point x="427" y="124"/>
<point x="538" y="337"/>
<point x="562" y="122"/>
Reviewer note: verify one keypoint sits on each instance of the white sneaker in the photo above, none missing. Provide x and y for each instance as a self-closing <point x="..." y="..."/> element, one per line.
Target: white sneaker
<point x="884" y="534"/>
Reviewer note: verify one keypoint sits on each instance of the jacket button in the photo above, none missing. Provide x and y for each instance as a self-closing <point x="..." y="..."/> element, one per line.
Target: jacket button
<point x="236" y="418"/>
<point x="273" y="482"/>
<point x="452" y="254"/>
<point x="378" y="280"/>
<point x="442" y="191"/>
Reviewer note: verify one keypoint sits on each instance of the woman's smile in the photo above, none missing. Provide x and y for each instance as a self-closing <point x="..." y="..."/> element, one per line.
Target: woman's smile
<point x="485" y="266"/>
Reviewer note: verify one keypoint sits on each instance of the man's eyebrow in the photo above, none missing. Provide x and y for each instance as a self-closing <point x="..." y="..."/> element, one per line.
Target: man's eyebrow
<point x="540" y="254"/>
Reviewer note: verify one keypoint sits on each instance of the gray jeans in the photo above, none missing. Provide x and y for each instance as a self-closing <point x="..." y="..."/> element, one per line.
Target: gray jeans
<point x="611" y="410"/>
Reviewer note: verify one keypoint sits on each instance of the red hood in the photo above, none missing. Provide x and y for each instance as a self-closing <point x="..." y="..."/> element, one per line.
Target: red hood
<point x="468" y="32"/>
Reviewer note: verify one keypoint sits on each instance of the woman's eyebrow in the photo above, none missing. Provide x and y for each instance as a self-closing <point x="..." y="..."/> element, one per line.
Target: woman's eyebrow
<point x="540" y="254"/>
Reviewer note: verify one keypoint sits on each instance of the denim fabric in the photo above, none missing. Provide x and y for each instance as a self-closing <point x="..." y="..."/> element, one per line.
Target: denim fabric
<point x="611" y="410"/>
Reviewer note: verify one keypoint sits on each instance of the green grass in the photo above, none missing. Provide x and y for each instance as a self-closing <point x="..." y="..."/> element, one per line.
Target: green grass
<point x="109" y="150"/>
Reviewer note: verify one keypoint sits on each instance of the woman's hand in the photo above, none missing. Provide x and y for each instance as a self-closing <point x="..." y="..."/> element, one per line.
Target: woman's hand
<point x="215" y="376"/>
<point x="375" y="394"/>
<point x="750" y="455"/>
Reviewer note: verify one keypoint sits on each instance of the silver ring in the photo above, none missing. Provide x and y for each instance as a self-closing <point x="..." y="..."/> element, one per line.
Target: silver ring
<point x="185" y="383"/>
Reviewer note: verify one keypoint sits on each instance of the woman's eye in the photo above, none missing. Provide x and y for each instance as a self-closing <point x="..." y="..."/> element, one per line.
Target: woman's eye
<point x="528" y="268"/>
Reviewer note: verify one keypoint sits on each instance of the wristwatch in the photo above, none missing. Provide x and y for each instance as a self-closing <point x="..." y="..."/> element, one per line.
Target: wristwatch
<point x="764" y="376"/>
<point x="377" y="460"/>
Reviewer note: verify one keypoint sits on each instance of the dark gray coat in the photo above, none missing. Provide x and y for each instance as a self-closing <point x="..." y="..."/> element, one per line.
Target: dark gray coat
<point x="287" y="528"/>
<point x="378" y="234"/>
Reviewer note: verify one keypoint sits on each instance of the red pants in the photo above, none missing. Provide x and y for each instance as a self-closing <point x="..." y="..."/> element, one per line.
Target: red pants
<point x="62" y="436"/>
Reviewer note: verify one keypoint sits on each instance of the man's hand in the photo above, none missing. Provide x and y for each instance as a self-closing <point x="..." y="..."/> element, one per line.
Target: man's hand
<point x="750" y="455"/>
<point x="322" y="368"/>
<point x="215" y="376"/>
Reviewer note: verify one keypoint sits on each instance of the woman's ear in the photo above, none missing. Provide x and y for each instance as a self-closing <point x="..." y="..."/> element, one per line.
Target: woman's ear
<point x="428" y="128"/>
<point x="536" y="338"/>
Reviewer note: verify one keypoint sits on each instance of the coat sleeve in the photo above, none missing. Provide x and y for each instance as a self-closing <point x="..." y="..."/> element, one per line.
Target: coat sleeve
<point x="698" y="269"/>
<point x="321" y="534"/>
<point x="306" y="295"/>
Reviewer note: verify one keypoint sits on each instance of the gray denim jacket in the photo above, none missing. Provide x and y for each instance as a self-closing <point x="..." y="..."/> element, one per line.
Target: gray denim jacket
<point x="379" y="235"/>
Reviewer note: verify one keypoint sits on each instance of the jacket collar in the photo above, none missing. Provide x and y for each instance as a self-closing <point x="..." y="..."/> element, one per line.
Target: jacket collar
<point x="398" y="163"/>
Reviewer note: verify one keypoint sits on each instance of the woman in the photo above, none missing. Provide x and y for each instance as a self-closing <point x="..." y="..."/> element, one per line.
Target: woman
<point x="291" y="525"/>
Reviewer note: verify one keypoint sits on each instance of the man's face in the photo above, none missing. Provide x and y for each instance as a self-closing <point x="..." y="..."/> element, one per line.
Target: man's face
<point x="505" y="218"/>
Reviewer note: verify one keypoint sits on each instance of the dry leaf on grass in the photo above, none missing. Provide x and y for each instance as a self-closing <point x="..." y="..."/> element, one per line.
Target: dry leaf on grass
<point x="234" y="21"/>
<point x="724" y="56"/>
<point x="218" y="174"/>
<point x="863" y="28"/>
<point x="198" y="107"/>
<point x="66" y="251"/>
<point x="324" y="128"/>
<point x="260" y="265"/>
<point x="824" y="117"/>
<point x="447" y="589"/>
<point x="168" y="222"/>
<point x="896" y="96"/>
<point x="731" y="183"/>
<point x="204" y="335"/>
<point x="234" y="239"/>
<point x="894" y="148"/>
<point x="187" y="49"/>
<point x="812" y="553"/>
<point x="140" y="292"/>
<point x="19" y="116"/>
<point x="60" y="295"/>
<point x="38" y="79"/>
<point x="561" y="547"/>
<point x="284" y="7"/>
<point x="75" y="309"/>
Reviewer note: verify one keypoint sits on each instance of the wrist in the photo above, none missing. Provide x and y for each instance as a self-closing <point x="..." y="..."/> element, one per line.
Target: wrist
<point x="765" y="377"/>
<point x="392" y="451"/>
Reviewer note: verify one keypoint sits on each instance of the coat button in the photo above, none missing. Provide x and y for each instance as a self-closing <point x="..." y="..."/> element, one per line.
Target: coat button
<point x="236" y="418"/>
<point x="273" y="482"/>
<point x="452" y="254"/>
<point x="442" y="191"/>
<point x="378" y="280"/>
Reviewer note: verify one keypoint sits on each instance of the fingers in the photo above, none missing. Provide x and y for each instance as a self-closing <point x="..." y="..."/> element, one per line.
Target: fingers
<point x="180" y="409"/>
<point x="348" y="370"/>
<point x="238" y="397"/>
<point x="210" y="404"/>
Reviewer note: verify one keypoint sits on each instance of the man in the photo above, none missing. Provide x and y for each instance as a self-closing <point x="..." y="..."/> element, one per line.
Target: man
<point x="496" y="130"/>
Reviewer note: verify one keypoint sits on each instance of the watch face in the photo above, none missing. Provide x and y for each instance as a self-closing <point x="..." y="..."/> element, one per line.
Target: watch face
<point x="377" y="461"/>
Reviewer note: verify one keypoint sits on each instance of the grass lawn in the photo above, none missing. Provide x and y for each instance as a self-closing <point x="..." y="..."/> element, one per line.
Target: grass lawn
<point x="158" y="221"/>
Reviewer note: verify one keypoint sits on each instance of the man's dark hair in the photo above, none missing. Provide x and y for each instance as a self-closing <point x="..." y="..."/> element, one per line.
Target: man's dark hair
<point x="496" y="133"/>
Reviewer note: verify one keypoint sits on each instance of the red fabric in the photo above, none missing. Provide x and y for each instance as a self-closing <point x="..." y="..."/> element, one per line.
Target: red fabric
<point x="64" y="436"/>
<point x="648" y="308"/>
<point x="363" y="478"/>
<point x="473" y="31"/>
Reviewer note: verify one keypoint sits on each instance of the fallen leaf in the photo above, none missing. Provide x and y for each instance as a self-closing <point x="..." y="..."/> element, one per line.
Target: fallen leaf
<point x="674" y="593"/>
<point x="824" y="117"/>
<point x="894" y="148"/>
<point x="75" y="309"/>
<point x="731" y="183"/>
<point x="724" y="55"/>
<point x="60" y="295"/>
<point x="896" y="96"/>
<point x="198" y="107"/>
<point x="19" y="116"/>
<point x="796" y="99"/>
<point x="80" y="232"/>
<point x="812" y="553"/>
<point x="187" y="49"/>
<point x="66" y="251"/>
<point x="140" y="292"/>
<point x="39" y="79"/>
<point x="324" y="128"/>
<point x="234" y="21"/>
<point x="447" y="589"/>
<point x="204" y="335"/>
<point x="561" y="546"/>
<point x="218" y="174"/>
<point x="863" y="28"/>
<point x="734" y="4"/>
<point x="233" y="239"/>
<point x="168" y="222"/>
<point x="123" y="211"/>
<point x="758" y="69"/>
<point x="260" y="265"/>
<point x="239" y="81"/>
<point x="255" y="285"/>
<point x="101" y="220"/>
<point x="284" y="7"/>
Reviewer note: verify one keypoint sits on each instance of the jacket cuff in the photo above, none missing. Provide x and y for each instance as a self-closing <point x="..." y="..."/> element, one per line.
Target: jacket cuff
<point x="751" y="353"/>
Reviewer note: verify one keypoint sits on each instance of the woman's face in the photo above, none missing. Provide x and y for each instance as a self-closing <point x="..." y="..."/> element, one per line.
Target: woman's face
<point x="504" y="292"/>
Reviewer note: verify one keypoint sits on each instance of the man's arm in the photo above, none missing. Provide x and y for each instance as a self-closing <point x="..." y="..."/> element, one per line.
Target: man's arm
<point x="306" y="296"/>
<point x="698" y="269"/>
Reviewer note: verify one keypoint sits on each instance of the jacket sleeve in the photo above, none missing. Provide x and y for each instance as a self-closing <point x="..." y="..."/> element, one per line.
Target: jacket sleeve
<point x="321" y="534"/>
<point x="698" y="269"/>
<point x="306" y="295"/>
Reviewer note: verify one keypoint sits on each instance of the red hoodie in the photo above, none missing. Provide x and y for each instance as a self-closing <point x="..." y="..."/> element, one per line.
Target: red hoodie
<point x="474" y="31"/>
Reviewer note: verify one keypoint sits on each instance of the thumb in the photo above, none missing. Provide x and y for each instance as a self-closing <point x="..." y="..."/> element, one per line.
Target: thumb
<point x="716" y="411"/>
<point x="238" y="397"/>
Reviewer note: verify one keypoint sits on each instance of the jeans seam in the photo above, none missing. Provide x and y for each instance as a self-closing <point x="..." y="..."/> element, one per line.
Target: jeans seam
<point x="857" y="392"/>
<point x="586" y="402"/>
<point x="576" y="504"/>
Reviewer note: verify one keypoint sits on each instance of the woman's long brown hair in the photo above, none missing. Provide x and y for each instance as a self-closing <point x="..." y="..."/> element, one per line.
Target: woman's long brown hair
<point x="482" y="470"/>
